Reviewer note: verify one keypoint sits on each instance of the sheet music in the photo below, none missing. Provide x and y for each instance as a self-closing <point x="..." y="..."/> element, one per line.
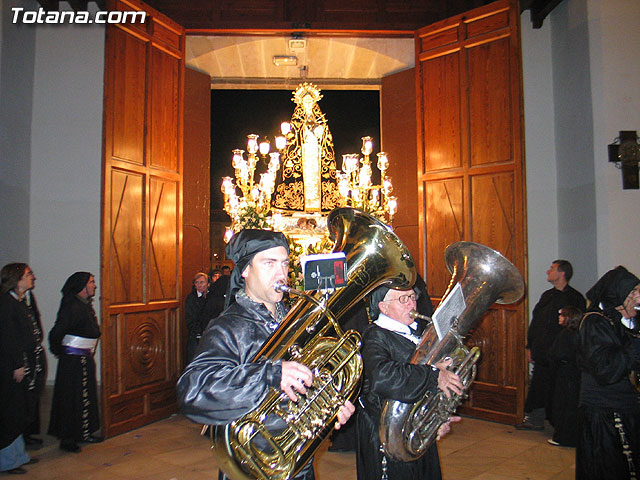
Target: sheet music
<point x="448" y="310"/>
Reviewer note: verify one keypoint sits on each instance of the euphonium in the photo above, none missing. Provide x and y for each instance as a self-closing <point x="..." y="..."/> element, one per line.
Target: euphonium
<point x="485" y="276"/>
<point x="277" y="438"/>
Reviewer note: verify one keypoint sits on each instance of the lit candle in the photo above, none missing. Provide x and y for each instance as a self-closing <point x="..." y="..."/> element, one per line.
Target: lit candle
<point x="367" y="145"/>
<point x="252" y="143"/>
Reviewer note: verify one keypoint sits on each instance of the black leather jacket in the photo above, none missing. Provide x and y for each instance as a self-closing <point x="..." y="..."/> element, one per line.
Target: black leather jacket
<point x="222" y="383"/>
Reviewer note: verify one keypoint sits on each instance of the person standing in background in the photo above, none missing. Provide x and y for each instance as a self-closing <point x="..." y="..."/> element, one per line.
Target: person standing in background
<point x="73" y="339"/>
<point x="566" y="391"/>
<point x="542" y="332"/>
<point x="193" y="307"/>
<point x="18" y="366"/>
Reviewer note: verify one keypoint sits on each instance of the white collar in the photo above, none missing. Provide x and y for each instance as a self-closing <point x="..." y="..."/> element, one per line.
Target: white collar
<point x="392" y="325"/>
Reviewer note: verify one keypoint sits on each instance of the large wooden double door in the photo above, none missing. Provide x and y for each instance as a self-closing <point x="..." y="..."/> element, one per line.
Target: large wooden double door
<point x="463" y="163"/>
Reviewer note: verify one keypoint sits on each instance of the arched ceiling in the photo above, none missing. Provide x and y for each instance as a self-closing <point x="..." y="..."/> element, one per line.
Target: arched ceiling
<point x="325" y="60"/>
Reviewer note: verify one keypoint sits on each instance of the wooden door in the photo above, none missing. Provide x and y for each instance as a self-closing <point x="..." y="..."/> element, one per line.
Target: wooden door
<point x="471" y="177"/>
<point x="141" y="219"/>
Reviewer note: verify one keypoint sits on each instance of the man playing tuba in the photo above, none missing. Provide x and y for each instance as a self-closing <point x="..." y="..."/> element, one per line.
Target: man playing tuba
<point x="222" y="384"/>
<point x="388" y="344"/>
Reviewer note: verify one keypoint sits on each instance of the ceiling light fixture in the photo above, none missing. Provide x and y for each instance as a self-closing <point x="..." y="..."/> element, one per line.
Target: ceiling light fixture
<point x="285" y="60"/>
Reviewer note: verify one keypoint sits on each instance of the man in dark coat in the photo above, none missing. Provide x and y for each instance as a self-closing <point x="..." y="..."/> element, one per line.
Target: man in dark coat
<point x="193" y="306"/>
<point x="73" y="339"/>
<point x="222" y="383"/>
<point x="609" y="357"/>
<point x="388" y="345"/>
<point x="543" y="331"/>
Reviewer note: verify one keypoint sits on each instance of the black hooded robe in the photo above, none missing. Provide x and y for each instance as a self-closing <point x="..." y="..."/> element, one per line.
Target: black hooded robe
<point x="609" y="416"/>
<point x="74" y="408"/>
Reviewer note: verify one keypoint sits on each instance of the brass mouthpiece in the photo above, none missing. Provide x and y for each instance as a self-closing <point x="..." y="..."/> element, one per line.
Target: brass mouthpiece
<point x="281" y="287"/>
<point x="414" y="314"/>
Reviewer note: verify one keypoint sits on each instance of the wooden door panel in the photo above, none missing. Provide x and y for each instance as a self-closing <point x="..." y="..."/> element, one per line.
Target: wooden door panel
<point x="442" y="147"/>
<point x="490" y="102"/>
<point x="127" y="90"/>
<point x="470" y="112"/>
<point x="444" y="225"/>
<point x="126" y="237"/>
<point x="142" y="219"/>
<point x="163" y="233"/>
<point x="163" y="105"/>
<point x="492" y="212"/>
<point x="145" y="347"/>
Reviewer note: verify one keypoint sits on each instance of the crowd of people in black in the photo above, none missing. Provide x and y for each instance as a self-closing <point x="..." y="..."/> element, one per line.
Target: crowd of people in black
<point x="585" y="362"/>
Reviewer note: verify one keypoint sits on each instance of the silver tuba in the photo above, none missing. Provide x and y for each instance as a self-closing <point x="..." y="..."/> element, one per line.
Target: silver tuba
<point x="278" y="437"/>
<point x="485" y="276"/>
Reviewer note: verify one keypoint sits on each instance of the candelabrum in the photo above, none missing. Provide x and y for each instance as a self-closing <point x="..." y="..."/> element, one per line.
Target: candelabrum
<point x="251" y="208"/>
<point x="356" y="187"/>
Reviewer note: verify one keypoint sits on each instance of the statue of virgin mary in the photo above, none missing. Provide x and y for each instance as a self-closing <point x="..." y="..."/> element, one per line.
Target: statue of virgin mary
<point x="307" y="180"/>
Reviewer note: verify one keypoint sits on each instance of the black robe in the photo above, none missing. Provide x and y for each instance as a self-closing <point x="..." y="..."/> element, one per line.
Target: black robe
<point x="541" y="334"/>
<point x="74" y="408"/>
<point x="609" y="404"/>
<point x="388" y="375"/>
<point x="566" y="391"/>
<point x="17" y="347"/>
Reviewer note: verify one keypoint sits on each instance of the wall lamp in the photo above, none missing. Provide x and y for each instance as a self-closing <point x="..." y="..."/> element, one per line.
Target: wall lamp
<point x="625" y="153"/>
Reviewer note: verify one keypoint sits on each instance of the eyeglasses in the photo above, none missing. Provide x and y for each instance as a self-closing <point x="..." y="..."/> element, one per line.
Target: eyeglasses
<point x="403" y="299"/>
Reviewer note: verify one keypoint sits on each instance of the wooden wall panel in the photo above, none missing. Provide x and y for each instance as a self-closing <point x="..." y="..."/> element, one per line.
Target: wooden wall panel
<point x="142" y="219"/>
<point x="472" y="178"/>
<point x="196" y="174"/>
<point x="398" y="140"/>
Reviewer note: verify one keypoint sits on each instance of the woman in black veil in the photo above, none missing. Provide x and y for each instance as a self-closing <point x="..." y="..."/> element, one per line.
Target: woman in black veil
<point x="608" y="355"/>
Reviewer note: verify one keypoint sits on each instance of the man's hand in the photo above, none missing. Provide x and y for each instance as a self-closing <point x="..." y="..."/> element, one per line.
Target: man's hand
<point x="529" y="357"/>
<point x="295" y="378"/>
<point x="446" y="427"/>
<point x="345" y="413"/>
<point x="18" y="374"/>
<point x="448" y="381"/>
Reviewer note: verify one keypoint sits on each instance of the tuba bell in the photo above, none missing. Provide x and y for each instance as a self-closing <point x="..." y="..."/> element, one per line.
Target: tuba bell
<point x="485" y="276"/>
<point x="277" y="438"/>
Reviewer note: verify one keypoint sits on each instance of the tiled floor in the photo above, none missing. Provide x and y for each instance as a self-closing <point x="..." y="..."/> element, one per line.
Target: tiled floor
<point x="172" y="449"/>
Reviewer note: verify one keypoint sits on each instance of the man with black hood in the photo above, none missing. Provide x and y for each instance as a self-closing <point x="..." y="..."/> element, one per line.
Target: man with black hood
<point x="608" y="355"/>
<point x="73" y="339"/>
<point x="222" y="383"/>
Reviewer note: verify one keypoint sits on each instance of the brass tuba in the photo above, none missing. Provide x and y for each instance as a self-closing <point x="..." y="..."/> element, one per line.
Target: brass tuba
<point x="277" y="438"/>
<point x="485" y="276"/>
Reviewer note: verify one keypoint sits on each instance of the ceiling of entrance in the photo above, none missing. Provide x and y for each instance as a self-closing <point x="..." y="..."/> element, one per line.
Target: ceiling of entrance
<point x="335" y="61"/>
